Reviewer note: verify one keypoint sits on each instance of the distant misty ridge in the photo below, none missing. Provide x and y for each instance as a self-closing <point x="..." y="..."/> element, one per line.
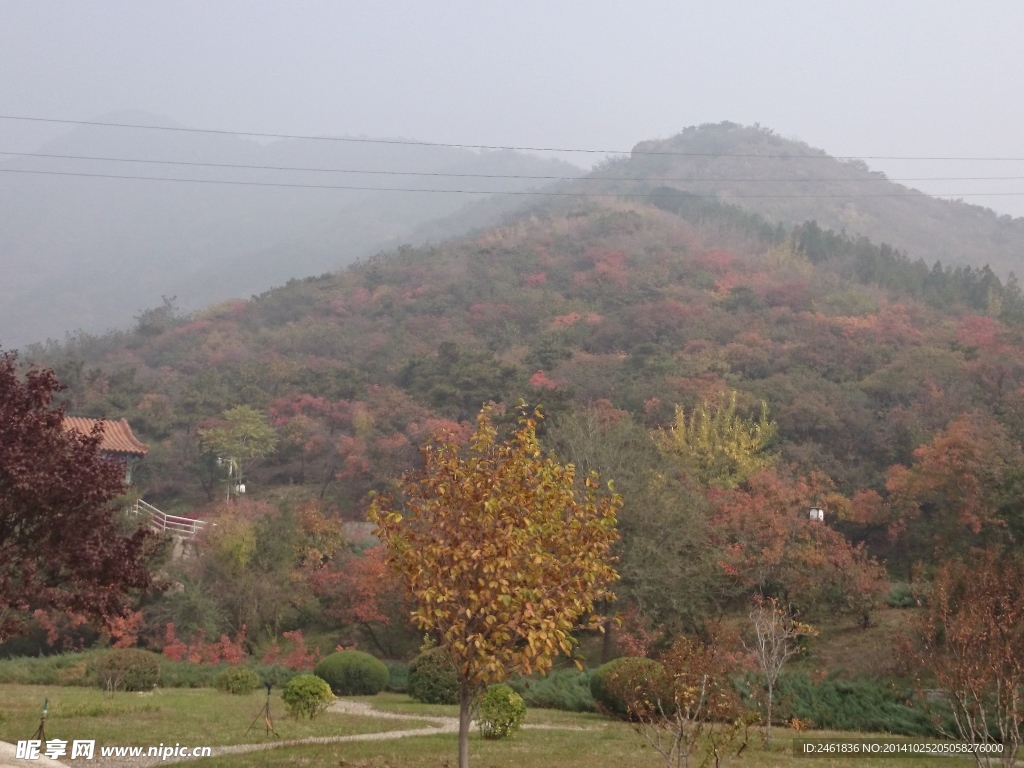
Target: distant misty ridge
<point x="741" y="165"/>
<point x="92" y="253"/>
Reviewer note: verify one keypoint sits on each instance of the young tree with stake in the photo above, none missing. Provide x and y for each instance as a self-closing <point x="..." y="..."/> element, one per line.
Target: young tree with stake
<point x="501" y="552"/>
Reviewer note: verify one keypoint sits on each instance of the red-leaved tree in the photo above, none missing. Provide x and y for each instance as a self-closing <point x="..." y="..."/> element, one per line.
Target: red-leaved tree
<point x="962" y="486"/>
<point x="970" y="641"/>
<point x="770" y="546"/>
<point x="299" y="657"/>
<point x="361" y="590"/>
<point x="199" y="651"/>
<point x="61" y="546"/>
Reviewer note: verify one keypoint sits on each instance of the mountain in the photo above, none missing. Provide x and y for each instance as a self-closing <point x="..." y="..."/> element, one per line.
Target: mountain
<point x="672" y="341"/>
<point x="729" y="371"/>
<point x="789" y="182"/>
<point x="634" y="306"/>
<point x="90" y="253"/>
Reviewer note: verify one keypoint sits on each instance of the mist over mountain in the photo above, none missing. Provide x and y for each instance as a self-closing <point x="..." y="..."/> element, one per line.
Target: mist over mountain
<point x="790" y="182"/>
<point x="91" y="253"/>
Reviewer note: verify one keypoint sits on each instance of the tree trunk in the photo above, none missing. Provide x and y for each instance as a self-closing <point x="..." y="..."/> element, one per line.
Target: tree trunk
<point x="606" y="644"/>
<point x="385" y="652"/>
<point x="768" y="723"/>
<point x="328" y="479"/>
<point x="465" y="705"/>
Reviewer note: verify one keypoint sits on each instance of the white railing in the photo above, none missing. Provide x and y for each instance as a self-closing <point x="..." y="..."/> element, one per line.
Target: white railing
<point x="185" y="527"/>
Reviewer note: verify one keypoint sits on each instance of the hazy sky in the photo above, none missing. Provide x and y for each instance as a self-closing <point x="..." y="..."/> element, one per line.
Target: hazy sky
<point x="857" y="78"/>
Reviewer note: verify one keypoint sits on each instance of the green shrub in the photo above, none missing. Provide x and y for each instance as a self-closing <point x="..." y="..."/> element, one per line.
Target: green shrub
<point x="604" y="699"/>
<point x="353" y="673"/>
<point x="240" y="681"/>
<point x="127" y="669"/>
<point x="306" y="696"/>
<point x="79" y="668"/>
<point x="564" y="689"/>
<point x="278" y="675"/>
<point x="182" y="674"/>
<point x="901" y="595"/>
<point x="398" y="676"/>
<point x="501" y="712"/>
<point x="59" y="669"/>
<point x="845" y="705"/>
<point x="433" y="679"/>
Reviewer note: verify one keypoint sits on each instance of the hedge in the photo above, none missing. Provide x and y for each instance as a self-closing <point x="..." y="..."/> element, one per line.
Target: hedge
<point x="433" y="679"/>
<point x="352" y="673"/>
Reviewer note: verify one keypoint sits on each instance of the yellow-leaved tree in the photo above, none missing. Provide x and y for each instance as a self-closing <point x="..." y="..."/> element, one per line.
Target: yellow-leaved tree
<point x="501" y="551"/>
<point x="716" y="447"/>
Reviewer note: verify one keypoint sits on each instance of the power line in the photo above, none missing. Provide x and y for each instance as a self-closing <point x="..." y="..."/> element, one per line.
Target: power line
<point x="477" y="191"/>
<point x="495" y="175"/>
<point x="410" y="142"/>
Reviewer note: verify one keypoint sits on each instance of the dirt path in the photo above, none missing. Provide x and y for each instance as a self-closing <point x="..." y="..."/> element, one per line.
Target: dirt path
<point x="8" y="759"/>
<point x="436" y="726"/>
<point x="349" y="707"/>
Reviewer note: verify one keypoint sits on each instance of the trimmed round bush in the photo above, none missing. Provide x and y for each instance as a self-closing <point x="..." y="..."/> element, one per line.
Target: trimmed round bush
<point x="501" y="712"/>
<point x="605" y="700"/>
<point x="127" y="669"/>
<point x="352" y="673"/>
<point x="240" y="681"/>
<point x="306" y="696"/>
<point x="433" y="679"/>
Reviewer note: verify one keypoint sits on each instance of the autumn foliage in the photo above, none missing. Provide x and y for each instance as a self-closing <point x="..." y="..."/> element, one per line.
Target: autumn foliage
<point x="959" y="485"/>
<point x="202" y="651"/>
<point x="686" y="706"/>
<point x="501" y="553"/>
<point x="970" y="641"/>
<point x="736" y="374"/>
<point x="61" y="544"/>
<point x="769" y="545"/>
<point x="299" y="656"/>
<point x="715" y="446"/>
<point x="362" y="591"/>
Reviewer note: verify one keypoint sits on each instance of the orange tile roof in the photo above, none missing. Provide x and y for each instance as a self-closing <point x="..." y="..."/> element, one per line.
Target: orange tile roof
<point x="117" y="435"/>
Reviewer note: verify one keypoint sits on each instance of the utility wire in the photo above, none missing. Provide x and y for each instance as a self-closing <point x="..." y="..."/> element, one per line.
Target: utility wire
<point x="476" y="191"/>
<point x="410" y="142"/>
<point x="495" y="175"/>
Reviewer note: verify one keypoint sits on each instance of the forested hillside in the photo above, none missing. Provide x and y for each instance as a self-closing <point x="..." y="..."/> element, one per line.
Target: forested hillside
<point x="726" y="373"/>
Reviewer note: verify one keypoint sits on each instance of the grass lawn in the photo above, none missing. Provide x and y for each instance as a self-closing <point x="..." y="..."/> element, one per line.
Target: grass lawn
<point x="613" y="746"/>
<point x="202" y="716"/>
<point x="194" y="716"/>
<point x="844" y="647"/>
